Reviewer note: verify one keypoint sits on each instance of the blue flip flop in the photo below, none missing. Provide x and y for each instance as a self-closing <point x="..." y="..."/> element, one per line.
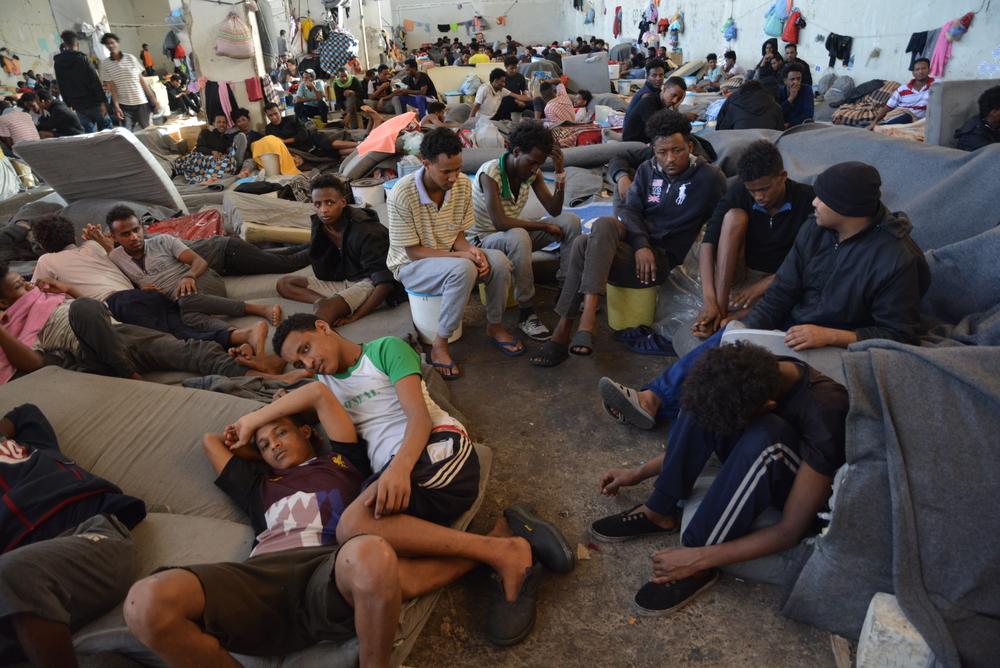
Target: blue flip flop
<point x="630" y="335"/>
<point x="453" y="368"/>
<point x="653" y="344"/>
<point x="510" y="348"/>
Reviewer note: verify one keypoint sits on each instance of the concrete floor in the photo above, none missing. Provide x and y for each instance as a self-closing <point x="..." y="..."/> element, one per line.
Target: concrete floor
<point x="551" y="442"/>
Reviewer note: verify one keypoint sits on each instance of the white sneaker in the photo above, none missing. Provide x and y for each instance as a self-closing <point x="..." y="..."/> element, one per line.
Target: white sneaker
<point x="534" y="328"/>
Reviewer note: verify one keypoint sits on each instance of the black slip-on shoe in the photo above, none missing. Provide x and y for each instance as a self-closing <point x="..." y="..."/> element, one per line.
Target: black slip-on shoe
<point x="660" y="600"/>
<point x="625" y="526"/>
<point x="547" y="543"/>
<point x="510" y="622"/>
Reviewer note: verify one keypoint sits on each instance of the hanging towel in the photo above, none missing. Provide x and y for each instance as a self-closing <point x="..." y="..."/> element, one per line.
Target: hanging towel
<point x="213" y="92"/>
<point x="255" y="91"/>
<point x="227" y="101"/>
<point x="616" y="30"/>
<point x="24" y="320"/>
<point x="942" y="51"/>
<point x="271" y="144"/>
<point x="916" y="45"/>
<point x="269" y="93"/>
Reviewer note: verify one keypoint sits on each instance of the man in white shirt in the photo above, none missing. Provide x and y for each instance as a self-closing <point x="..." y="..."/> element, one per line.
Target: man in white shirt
<point x="494" y="101"/>
<point x="130" y="94"/>
<point x="730" y="69"/>
<point x="910" y="100"/>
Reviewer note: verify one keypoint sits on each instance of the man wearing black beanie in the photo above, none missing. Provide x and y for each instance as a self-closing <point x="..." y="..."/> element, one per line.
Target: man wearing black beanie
<point x="855" y="274"/>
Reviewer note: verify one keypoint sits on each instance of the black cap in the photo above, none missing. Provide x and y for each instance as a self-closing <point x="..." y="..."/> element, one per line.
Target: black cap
<point x="850" y="188"/>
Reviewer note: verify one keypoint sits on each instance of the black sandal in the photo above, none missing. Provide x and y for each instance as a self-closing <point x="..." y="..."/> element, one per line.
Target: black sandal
<point x="551" y="354"/>
<point x="582" y="339"/>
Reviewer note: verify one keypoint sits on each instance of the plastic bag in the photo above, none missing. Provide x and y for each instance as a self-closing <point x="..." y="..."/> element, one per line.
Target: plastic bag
<point x="470" y="85"/>
<point x="411" y="142"/>
<point x="235" y="39"/>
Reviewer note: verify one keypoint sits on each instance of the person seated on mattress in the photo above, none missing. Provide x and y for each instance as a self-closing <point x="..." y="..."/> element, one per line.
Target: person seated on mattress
<point x="299" y="586"/>
<point x="430" y="212"/>
<point x="435" y="117"/>
<point x="56" y="119"/>
<point x="426" y="471"/>
<point x="500" y="191"/>
<point x="261" y="145"/>
<point x="909" y="101"/>
<point x="292" y="133"/>
<point x="378" y="94"/>
<point x="656" y="71"/>
<point x="493" y="100"/>
<point x="68" y="554"/>
<point x="310" y="97"/>
<point x="179" y="98"/>
<point x="672" y="196"/>
<point x="347" y="249"/>
<point x="52" y="324"/>
<point x="781" y="439"/>
<point x="853" y="273"/>
<point x="795" y="97"/>
<point x="982" y="129"/>
<point x="711" y="76"/>
<point x="164" y="263"/>
<point x="91" y="273"/>
<point x="670" y="96"/>
<point x="217" y="154"/>
<point x="557" y="107"/>
<point x="748" y="236"/>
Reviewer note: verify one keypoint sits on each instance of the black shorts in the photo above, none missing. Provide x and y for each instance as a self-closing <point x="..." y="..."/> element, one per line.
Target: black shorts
<point x="445" y="480"/>
<point x="276" y="603"/>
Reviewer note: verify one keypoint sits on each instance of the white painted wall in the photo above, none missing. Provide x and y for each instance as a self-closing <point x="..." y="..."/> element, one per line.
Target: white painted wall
<point x="28" y="29"/>
<point x="535" y="21"/>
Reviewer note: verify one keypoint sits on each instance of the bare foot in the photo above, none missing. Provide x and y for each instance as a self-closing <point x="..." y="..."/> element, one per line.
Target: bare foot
<point x="511" y="562"/>
<point x="272" y="312"/>
<point x="373" y="116"/>
<point x="441" y="360"/>
<point x="499" y="334"/>
<point x="242" y="350"/>
<point x="270" y="365"/>
<point x="276" y="315"/>
<point x="662" y="521"/>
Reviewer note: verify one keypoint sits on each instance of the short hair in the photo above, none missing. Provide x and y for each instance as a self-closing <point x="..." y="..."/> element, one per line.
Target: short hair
<point x="510" y="60"/>
<point x="43" y="95"/>
<point x="435" y="107"/>
<point x="792" y="45"/>
<point x="145" y="46"/>
<point x="328" y="181"/>
<point x="545" y="88"/>
<point x="654" y="63"/>
<point x="382" y="67"/>
<point x="677" y="82"/>
<point x="297" y="322"/>
<point x="989" y="100"/>
<point x="528" y="135"/>
<point x="729" y="54"/>
<point x="761" y="158"/>
<point x="752" y="84"/>
<point x="218" y="113"/>
<point x="119" y="212"/>
<point x="496" y="74"/>
<point x="440" y="141"/>
<point x="53" y="233"/>
<point x="271" y="105"/>
<point x="922" y="60"/>
<point x="26" y="98"/>
<point x="109" y="35"/>
<point x="174" y="77"/>
<point x="711" y="56"/>
<point x="240" y="112"/>
<point x="69" y="37"/>
<point x="585" y="94"/>
<point x="411" y="62"/>
<point x="727" y="387"/>
<point x="666" y="123"/>
<point x="792" y="67"/>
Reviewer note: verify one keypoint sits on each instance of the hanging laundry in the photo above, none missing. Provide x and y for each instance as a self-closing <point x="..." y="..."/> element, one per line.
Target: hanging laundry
<point x="170" y="42"/>
<point x="305" y="28"/>
<point x="255" y="92"/>
<point x="652" y="14"/>
<point x="616" y="27"/>
<point x="408" y="25"/>
<point x="793" y="24"/>
<point x="951" y="32"/>
<point x="219" y="99"/>
<point x="444" y="27"/>
<point x="270" y="95"/>
<point x="340" y="46"/>
<point x="589" y="18"/>
<point x="916" y="45"/>
<point x="839" y="46"/>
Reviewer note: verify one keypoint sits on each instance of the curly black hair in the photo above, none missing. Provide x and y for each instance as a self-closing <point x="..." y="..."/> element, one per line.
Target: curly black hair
<point x="497" y="73"/>
<point x="530" y="135"/>
<point x="727" y="387"/>
<point x="440" y="141"/>
<point x="53" y="233"/>
<point x="654" y="63"/>
<point x="792" y="67"/>
<point x="119" y="212"/>
<point x="297" y="322"/>
<point x="328" y="181"/>
<point x="585" y="95"/>
<point x="989" y="100"/>
<point x="666" y="123"/>
<point x="761" y="158"/>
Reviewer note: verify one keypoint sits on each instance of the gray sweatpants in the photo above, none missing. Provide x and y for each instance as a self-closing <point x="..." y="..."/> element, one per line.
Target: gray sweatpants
<point x="599" y="257"/>
<point x="518" y="244"/>
<point x="210" y="300"/>
<point x="453" y="278"/>
<point x="71" y="579"/>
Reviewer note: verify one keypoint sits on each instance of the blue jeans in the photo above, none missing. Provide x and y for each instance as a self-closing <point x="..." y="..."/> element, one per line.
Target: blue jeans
<point x="667" y="386"/>
<point x="418" y="101"/>
<point x="93" y="119"/>
<point x="759" y="466"/>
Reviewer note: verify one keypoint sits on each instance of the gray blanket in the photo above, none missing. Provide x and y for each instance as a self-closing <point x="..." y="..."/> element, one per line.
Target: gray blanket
<point x="914" y="515"/>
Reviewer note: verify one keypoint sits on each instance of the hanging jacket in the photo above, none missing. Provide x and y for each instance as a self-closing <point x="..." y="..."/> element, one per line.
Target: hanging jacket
<point x="915" y="46"/>
<point x="839" y="47"/>
<point x="975" y="134"/>
<point x="751" y="107"/>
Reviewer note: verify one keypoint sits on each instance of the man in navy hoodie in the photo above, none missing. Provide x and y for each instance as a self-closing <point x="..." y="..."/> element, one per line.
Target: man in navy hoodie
<point x="67" y="556"/>
<point x="672" y="196"/>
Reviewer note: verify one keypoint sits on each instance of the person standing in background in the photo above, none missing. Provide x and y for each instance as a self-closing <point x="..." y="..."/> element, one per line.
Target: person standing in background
<point x="130" y="94"/>
<point x="147" y="61"/>
<point x="80" y="86"/>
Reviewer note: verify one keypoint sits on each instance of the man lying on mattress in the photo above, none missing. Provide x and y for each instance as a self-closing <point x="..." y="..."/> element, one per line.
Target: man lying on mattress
<point x="52" y="324"/>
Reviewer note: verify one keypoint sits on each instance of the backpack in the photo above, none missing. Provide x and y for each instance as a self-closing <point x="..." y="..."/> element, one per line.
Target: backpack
<point x="729" y="31"/>
<point x="774" y="20"/>
<point x="470" y="85"/>
<point x="234" y="39"/>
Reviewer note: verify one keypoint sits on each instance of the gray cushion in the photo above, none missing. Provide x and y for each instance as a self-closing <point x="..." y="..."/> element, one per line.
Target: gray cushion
<point x="966" y="277"/>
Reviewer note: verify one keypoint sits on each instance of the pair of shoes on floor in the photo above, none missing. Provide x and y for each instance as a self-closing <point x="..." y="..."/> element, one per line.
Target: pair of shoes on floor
<point x="510" y="622"/>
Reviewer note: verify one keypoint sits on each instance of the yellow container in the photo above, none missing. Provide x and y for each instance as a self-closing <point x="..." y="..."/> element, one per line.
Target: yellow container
<point x="511" y="302"/>
<point x="320" y="122"/>
<point x="631" y="307"/>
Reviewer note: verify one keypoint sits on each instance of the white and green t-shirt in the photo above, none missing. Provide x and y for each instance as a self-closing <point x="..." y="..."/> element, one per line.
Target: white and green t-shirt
<point x="368" y="393"/>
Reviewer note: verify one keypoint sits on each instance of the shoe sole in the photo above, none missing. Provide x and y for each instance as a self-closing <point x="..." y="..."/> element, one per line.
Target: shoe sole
<point x="624" y="539"/>
<point x="509" y="642"/>
<point x="524" y="516"/>
<point x="644" y="612"/>
<point x="632" y="414"/>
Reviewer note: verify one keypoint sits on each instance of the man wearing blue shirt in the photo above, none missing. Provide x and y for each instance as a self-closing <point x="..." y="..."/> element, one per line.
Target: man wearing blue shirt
<point x="796" y="98"/>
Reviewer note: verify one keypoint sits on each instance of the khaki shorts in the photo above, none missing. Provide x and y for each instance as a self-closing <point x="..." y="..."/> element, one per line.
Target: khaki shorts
<point x="353" y="292"/>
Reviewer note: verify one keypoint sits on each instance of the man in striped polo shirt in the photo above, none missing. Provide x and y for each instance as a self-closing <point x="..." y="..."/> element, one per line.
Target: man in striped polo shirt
<point x="500" y="192"/>
<point x="429" y="213"/>
<point x="130" y="94"/>
<point x="910" y="99"/>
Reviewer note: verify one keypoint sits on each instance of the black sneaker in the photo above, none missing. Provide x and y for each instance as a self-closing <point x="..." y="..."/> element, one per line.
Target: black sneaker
<point x="547" y="543"/>
<point x="660" y="600"/>
<point x="508" y="623"/>
<point x="626" y="526"/>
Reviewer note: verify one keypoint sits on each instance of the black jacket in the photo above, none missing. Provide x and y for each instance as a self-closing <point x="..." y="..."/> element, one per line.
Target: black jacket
<point x="975" y="134"/>
<point x="210" y="139"/>
<point x="750" y="108"/>
<point x="668" y="213"/>
<point x="46" y="492"/>
<point x="61" y="120"/>
<point x="871" y="283"/>
<point x="79" y="84"/>
<point x="365" y="245"/>
<point x="290" y="128"/>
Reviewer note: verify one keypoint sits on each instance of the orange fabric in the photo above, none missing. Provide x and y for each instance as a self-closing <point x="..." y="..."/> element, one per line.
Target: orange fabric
<point x="383" y="138"/>
<point x="147" y="58"/>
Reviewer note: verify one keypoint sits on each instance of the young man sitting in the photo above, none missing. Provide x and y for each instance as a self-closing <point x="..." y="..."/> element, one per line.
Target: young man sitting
<point x="711" y="76"/>
<point x="348" y="248"/>
<point x="500" y="192"/>
<point x="557" y="107"/>
<point x="310" y="97"/>
<point x="418" y="91"/>
<point x="57" y="119"/>
<point x="426" y="471"/>
<point x="778" y="427"/>
<point x="671" y="198"/>
<point x="795" y="97"/>
<point x="68" y="555"/>
<point x="853" y="275"/>
<point x="982" y="129"/>
<point x="291" y="133"/>
<point x="656" y="71"/>
<point x="747" y="238"/>
<point x="435" y="117"/>
<point x="494" y="101"/>
<point x="637" y="118"/>
<point x="430" y="211"/>
<point x="909" y="102"/>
